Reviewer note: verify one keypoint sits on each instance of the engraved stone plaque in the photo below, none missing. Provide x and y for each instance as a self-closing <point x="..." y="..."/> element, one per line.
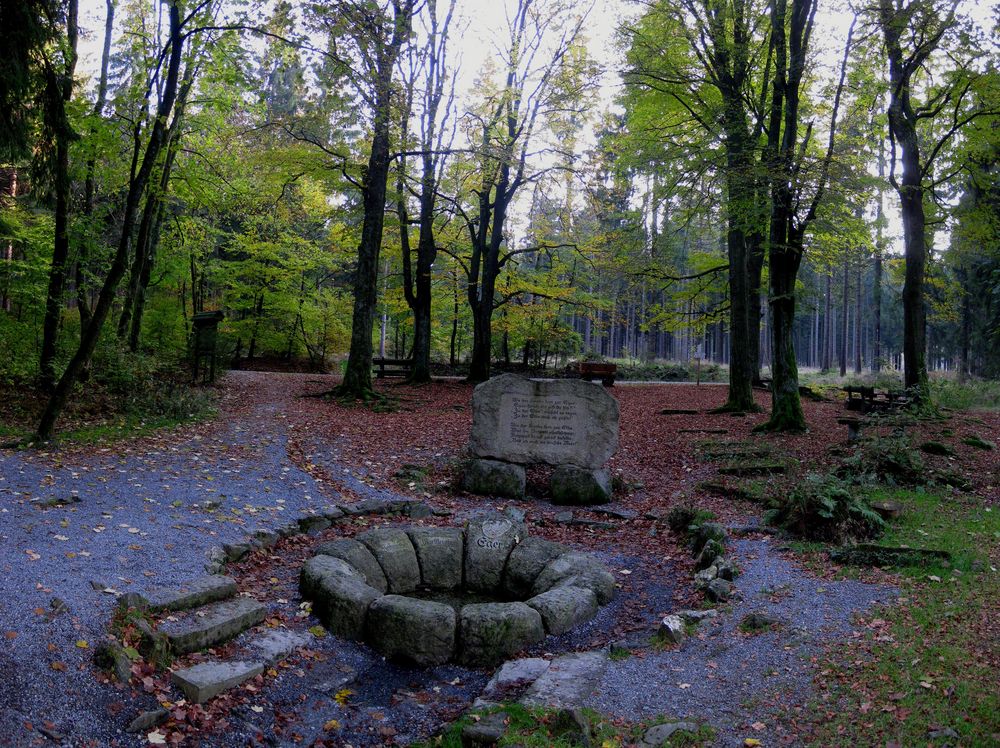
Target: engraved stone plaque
<point x="559" y="422"/>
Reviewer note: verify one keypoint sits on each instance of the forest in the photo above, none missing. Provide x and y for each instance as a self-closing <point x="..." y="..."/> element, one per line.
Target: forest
<point x="763" y="186"/>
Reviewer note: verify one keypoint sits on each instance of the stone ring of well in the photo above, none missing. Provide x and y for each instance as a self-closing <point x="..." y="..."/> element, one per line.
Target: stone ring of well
<point x="380" y="587"/>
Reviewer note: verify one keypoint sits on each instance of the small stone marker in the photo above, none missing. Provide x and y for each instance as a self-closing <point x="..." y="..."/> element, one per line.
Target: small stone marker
<point x="672" y="629"/>
<point x="485" y="732"/>
<point x="568" y="423"/>
<point x="277" y="644"/>
<point x="489" y="540"/>
<point x="568" y="681"/>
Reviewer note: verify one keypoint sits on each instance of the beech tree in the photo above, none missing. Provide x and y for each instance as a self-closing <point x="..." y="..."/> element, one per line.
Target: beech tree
<point x="365" y="41"/>
<point x="433" y="142"/>
<point x="791" y="32"/>
<point x="58" y="77"/>
<point x="914" y="32"/>
<point x="712" y="70"/>
<point x="536" y="58"/>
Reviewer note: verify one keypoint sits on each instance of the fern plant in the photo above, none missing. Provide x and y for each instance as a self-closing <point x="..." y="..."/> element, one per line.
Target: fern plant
<point x="823" y="507"/>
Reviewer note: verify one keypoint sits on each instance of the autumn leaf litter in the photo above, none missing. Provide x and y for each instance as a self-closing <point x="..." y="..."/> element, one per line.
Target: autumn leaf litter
<point x="272" y="455"/>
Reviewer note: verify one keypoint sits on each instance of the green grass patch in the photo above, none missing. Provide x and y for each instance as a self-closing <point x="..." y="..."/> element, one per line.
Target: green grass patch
<point x="931" y="659"/>
<point x="961" y="525"/>
<point x="979" y="394"/>
<point x="128" y="427"/>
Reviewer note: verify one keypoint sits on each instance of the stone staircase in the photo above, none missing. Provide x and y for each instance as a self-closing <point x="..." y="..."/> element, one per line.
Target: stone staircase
<point x="207" y="612"/>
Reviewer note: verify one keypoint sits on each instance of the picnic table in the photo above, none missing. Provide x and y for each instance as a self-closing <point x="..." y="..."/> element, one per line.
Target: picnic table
<point x="392" y="367"/>
<point x="871" y="400"/>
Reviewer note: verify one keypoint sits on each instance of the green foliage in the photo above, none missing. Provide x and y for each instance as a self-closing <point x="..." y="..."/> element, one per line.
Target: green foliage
<point x="144" y="386"/>
<point x="936" y="448"/>
<point x="824" y="507"/>
<point x="884" y="459"/>
<point x="670" y="371"/>
<point x="682" y="517"/>
<point x="533" y="727"/>
<point x="976" y="394"/>
<point x="978" y="442"/>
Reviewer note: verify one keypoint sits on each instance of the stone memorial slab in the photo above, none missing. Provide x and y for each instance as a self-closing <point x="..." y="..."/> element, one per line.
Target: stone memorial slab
<point x="558" y="422"/>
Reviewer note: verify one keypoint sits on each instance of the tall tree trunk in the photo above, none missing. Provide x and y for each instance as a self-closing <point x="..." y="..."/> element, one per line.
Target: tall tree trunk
<point x="59" y="92"/>
<point x="964" y="369"/>
<point x="902" y="126"/>
<point x="741" y="363"/>
<point x="137" y="186"/>
<point x="358" y="373"/>
<point x="857" y="323"/>
<point x="843" y="319"/>
<point x="877" y="280"/>
<point x="452" y="358"/>
<point x="148" y="240"/>
<point x="827" y="346"/>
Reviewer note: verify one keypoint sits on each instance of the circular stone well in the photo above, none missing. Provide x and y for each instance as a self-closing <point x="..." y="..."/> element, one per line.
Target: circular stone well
<point x="475" y="595"/>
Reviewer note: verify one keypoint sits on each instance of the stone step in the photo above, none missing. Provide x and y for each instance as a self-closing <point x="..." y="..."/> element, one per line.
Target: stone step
<point x="201" y="591"/>
<point x="207" y="679"/>
<point x="274" y="645"/>
<point x="212" y="624"/>
<point x="568" y="680"/>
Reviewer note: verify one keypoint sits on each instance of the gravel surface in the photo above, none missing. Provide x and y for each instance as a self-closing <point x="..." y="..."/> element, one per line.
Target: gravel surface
<point x="77" y="524"/>
<point x="746" y="685"/>
<point x="133" y="521"/>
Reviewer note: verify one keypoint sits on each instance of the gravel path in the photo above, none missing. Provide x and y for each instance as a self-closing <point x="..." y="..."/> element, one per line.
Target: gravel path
<point x="744" y="685"/>
<point x="133" y="521"/>
<point x="75" y="524"/>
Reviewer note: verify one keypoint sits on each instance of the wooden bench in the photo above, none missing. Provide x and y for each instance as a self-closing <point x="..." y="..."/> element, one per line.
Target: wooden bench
<point x="591" y="370"/>
<point x="392" y="367"/>
<point x="868" y="399"/>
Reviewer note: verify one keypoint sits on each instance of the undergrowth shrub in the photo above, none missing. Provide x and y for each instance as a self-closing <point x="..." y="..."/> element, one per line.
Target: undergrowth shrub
<point x="975" y="394"/>
<point x="884" y="459"/>
<point x="681" y="517"/>
<point x="671" y="371"/>
<point x="148" y="386"/>
<point x="19" y="342"/>
<point x="824" y="507"/>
